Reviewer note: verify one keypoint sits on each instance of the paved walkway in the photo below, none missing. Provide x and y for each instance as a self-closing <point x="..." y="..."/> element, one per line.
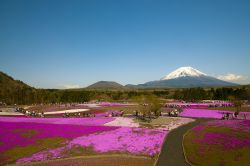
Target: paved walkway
<point x="172" y="151"/>
<point x="66" y="111"/>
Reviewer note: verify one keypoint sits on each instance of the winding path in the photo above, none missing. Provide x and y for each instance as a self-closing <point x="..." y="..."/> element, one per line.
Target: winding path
<point x="172" y="151"/>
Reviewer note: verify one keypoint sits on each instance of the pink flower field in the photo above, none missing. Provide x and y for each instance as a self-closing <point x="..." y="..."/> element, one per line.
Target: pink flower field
<point x="219" y="142"/>
<point x="204" y="113"/>
<point x="227" y="140"/>
<point x="14" y="133"/>
<point x="71" y="121"/>
<point x="124" y="139"/>
<point x="199" y="105"/>
<point x="24" y="139"/>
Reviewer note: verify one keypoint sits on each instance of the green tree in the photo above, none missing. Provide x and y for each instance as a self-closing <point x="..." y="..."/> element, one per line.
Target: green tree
<point x="148" y="105"/>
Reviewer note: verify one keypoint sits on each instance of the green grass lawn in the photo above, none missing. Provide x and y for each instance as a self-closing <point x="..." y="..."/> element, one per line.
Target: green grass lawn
<point x="127" y="109"/>
<point x="161" y="120"/>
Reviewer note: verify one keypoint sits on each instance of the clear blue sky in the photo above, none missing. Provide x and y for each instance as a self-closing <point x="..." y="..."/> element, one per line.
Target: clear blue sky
<point x="56" y="43"/>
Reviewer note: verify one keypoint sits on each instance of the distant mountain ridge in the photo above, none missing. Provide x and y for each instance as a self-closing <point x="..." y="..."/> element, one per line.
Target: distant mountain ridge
<point x="183" y="77"/>
<point x="16" y="92"/>
<point x="106" y="85"/>
<point x="187" y="82"/>
<point x="186" y="77"/>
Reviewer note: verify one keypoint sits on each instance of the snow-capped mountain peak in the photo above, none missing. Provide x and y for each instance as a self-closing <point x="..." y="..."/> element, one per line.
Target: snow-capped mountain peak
<point x="183" y="72"/>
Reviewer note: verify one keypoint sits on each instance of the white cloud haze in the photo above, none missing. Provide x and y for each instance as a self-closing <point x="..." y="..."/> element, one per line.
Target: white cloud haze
<point x="232" y="77"/>
<point x="71" y="86"/>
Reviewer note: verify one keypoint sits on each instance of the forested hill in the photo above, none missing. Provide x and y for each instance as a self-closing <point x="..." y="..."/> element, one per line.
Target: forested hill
<point x="7" y="82"/>
<point x="16" y="92"/>
<point x="12" y="91"/>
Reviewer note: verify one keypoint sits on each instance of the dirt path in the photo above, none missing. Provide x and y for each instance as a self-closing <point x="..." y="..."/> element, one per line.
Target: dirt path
<point x="172" y="151"/>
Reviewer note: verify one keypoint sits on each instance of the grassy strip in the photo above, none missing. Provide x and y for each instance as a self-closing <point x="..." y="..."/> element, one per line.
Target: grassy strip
<point x="93" y="157"/>
<point x="12" y="155"/>
<point x="184" y="152"/>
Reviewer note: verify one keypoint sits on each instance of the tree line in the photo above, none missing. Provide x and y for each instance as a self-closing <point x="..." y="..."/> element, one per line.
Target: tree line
<point x="29" y="95"/>
<point x="195" y="94"/>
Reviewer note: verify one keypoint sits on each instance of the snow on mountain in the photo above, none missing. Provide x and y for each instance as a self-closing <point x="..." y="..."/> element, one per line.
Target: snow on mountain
<point x="183" y="72"/>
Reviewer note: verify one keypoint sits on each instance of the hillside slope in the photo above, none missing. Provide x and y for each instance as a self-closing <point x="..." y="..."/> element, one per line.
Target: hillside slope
<point x="11" y="90"/>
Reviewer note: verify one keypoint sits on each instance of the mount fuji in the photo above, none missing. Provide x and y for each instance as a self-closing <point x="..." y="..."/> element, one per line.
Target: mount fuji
<point x="186" y="77"/>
